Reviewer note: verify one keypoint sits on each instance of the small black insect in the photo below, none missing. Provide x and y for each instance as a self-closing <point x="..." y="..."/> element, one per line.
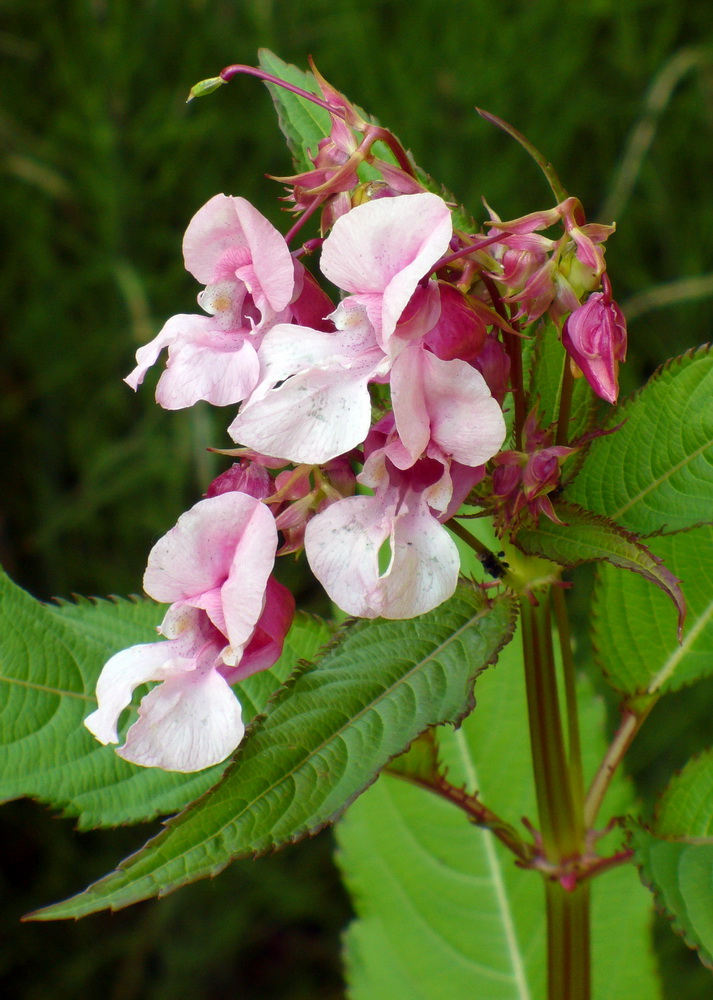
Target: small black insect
<point x="494" y="565"/>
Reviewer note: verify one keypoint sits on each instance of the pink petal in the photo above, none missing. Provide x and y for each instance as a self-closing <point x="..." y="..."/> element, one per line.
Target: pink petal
<point x="408" y="399"/>
<point x="343" y="544"/>
<point x="312" y="417"/>
<point x="222" y="369"/>
<point x="204" y="362"/>
<point x="466" y="421"/>
<point x="124" y="672"/>
<point x="188" y="723"/>
<point x="265" y="645"/>
<point x="198" y="553"/>
<point x="147" y="355"/>
<point x="225" y="223"/>
<point x="191" y="637"/>
<point x="386" y="246"/>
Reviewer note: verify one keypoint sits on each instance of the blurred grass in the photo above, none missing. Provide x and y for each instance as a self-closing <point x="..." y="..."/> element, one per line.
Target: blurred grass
<point x="103" y="165"/>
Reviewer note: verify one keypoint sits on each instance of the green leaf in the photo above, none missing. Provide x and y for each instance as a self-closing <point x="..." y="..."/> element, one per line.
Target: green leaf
<point x="655" y="474"/>
<point x="442" y="909"/>
<point x="302" y="123"/>
<point x="586" y="537"/>
<point x="635" y="629"/>
<point x="545" y="384"/>
<point x="50" y="658"/>
<point x="685" y="810"/>
<point x="323" y="739"/>
<point x="675" y="857"/>
<point x="420" y="762"/>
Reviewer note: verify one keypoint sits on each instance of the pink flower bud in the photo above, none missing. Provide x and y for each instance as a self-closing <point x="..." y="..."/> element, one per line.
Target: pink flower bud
<point x="594" y="336"/>
<point x="243" y="477"/>
<point x="459" y="332"/>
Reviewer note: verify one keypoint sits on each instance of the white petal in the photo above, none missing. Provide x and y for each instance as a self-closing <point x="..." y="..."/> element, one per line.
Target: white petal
<point x="312" y="417"/>
<point x="222" y="368"/>
<point x="465" y="419"/>
<point x="342" y="545"/>
<point x="424" y="568"/>
<point x="124" y="672"/>
<point x="188" y="723"/>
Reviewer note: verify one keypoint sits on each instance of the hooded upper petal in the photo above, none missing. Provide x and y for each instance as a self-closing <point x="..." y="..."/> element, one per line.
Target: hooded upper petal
<point x="226" y="224"/>
<point x="385" y="247"/>
<point x="218" y="556"/>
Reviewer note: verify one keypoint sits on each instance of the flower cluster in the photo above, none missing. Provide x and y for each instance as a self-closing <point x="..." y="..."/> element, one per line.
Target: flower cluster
<point x="363" y="425"/>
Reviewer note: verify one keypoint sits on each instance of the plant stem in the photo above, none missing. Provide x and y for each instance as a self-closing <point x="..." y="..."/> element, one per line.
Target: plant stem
<point x="558" y="787"/>
<point x="545" y="166"/>
<point x="551" y="768"/>
<point x="568" y="948"/>
<point x="477" y="812"/>
<point x="631" y="721"/>
<point x="574" y="746"/>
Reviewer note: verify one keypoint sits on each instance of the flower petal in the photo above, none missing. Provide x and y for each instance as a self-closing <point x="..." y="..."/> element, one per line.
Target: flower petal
<point x="124" y="672"/>
<point x="387" y="246"/>
<point x="220" y="368"/>
<point x="312" y="417"/>
<point x="343" y="545"/>
<point x="225" y="223"/>
<point x="199" y="553"/>
<point x="188" y="723"/>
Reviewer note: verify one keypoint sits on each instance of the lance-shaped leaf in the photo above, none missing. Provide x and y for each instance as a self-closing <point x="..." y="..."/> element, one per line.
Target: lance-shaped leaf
<point x="655" y="474"/>
<point x="302" y="123"/>
<point x="675" y="856"/>
<point x="323" y="739"/>
<point x="634" y="627"/>
<point x="587" y="537"/>
<point x="443" y="911"/>
<point x="50" y="659"/>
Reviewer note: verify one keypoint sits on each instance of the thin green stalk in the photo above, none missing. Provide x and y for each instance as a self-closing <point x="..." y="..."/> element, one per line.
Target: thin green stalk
<point x="568" y="942"/>
<point x="551" y="768"/>
<point x="574" y="745"/>
<point x="560" y="812"/>
<point x="545" y="166"/>
<point x="631" y="721"/>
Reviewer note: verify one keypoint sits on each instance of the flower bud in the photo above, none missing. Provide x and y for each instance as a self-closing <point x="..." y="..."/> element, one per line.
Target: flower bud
<point x="594" y="336"/>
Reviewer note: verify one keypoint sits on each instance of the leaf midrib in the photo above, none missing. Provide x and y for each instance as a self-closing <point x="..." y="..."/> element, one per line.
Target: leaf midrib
<point x="656" y="483"/>
<point x="154" y="873"/>
<point x="518" y="976"/>
<point x="46" y="689"/>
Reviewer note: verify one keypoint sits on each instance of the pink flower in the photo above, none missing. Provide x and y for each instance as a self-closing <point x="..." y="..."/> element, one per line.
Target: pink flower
<point x="345" y="541"/>
<point x="388" y="554"/>
<point x="249" y="276"/>
<point x="594" y="336"/>
<point x="226" y="620"/>
<point x="381" y="250"/>
<point x="313" y="404"/>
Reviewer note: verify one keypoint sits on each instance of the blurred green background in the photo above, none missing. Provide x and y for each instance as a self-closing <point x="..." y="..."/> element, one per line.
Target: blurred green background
<point x="103" y="166"/>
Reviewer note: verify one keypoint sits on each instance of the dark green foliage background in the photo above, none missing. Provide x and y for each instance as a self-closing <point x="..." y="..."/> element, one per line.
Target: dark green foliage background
<point x="103" y="165"/>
